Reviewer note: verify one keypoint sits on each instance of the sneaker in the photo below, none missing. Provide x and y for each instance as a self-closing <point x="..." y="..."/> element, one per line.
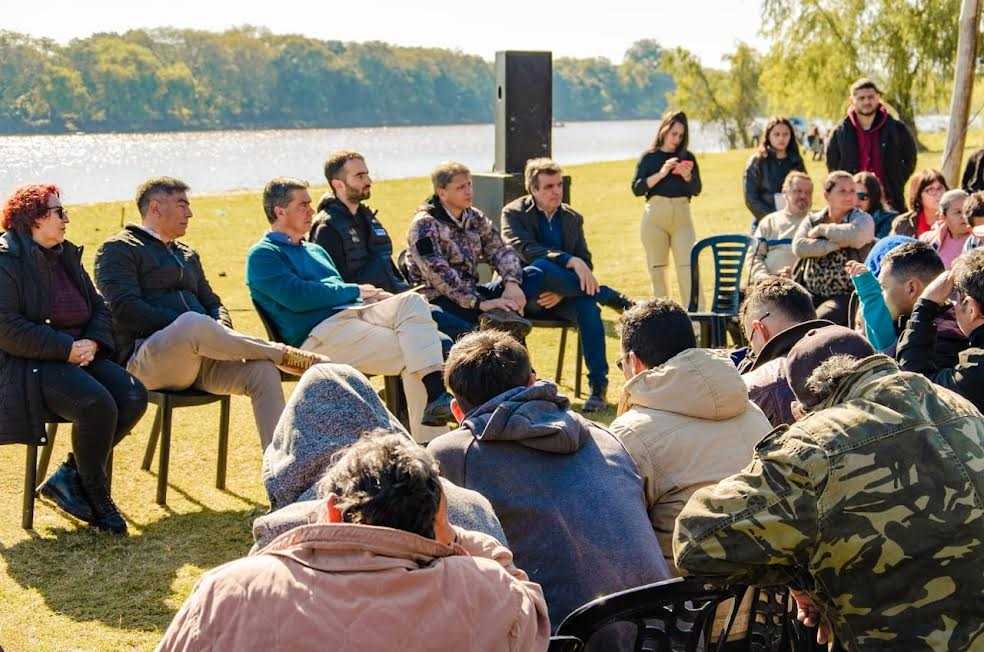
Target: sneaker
<point x="500" y="319"/>
<point x="597" y="401"/>
<point x="438" y="412"/>
<point x="106" y="515"/>
<point x="297" y="361"/>
<point x="63" y="488"/>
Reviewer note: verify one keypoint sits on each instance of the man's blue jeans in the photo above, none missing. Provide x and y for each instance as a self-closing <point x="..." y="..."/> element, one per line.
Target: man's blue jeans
<point x="579" y="308"/>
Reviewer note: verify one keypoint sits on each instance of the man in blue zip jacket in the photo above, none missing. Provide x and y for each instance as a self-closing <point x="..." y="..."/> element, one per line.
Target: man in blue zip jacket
<point x="297" y="284"/>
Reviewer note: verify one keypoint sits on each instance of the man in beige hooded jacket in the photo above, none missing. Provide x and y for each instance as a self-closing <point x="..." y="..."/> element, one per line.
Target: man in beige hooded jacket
<point x="686" y="419"/>
<point x="383" y="570"/>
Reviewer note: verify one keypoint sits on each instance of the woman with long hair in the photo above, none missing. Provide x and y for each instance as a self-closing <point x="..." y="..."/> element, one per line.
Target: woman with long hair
<point x="777" y="155"/>
<point x="667" y="176"/>
<point x="56" y="356"/>
<point x="923" y="195"/>
<point x="871" y="200"/>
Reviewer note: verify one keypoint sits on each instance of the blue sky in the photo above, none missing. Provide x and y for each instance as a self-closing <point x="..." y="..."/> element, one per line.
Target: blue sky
<point x="602" y="28"/>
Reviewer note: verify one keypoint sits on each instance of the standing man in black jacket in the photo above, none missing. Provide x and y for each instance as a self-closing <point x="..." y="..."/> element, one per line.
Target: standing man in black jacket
<point x="917" y="344"/>
<point x="172" y="330"/>
<point x="549" y="235"/>
<point x="357" y="241"/>
<point x="871" y="140"/>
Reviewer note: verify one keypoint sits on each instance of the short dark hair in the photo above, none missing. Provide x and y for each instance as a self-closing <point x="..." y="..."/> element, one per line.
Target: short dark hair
<point x="277" y="193"/>
<point x="155" y="187"/>
<point x="917" y="259"/>
<point x="444" y="174"/>
<point x="656" y="331"/>
<point x="483" y="365"/>
<point x="968" y="275"/>
<point x="337" y="160"/>
<point x="863" y="83"/>
<point x="387" y="480"/>
<point x="974" y="207"/>
<point x="919" y="182"/>
<point x="781" y="295"/>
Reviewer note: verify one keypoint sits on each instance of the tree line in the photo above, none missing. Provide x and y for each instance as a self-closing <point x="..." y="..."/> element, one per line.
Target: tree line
<point x="166" y="79"/>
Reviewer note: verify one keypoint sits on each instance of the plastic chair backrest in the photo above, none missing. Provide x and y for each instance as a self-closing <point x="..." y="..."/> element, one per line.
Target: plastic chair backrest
<point x="271" y="328"/>
<point x="729" y="252"/>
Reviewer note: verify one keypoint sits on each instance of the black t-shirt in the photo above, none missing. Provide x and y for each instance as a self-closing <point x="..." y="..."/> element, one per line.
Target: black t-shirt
<point x="672" y="185"/>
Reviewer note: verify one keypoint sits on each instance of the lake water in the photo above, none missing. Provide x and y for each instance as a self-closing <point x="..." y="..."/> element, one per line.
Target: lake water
<point x="103" y="167"/>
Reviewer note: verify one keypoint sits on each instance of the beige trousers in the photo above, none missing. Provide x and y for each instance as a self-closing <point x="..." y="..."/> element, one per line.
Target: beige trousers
<point x="395" y="336"/>
<point x="197" y="351"/>
<point x="667" y="226"/>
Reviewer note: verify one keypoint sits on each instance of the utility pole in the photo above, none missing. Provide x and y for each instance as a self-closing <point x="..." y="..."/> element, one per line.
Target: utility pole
<point x="963" y="86"/>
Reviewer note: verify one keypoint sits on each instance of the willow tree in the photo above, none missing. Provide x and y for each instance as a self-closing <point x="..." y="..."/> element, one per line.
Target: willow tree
<point x="819" y="47"/>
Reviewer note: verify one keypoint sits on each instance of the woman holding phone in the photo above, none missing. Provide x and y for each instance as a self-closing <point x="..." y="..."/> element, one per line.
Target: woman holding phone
<point x="668" y="176"/>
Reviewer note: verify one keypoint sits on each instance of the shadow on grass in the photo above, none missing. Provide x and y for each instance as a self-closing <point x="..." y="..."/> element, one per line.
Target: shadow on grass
<point x="129" y="583"/>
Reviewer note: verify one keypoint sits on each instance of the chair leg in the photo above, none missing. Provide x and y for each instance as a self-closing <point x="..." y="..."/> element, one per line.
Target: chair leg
<point x="577" y="367"/>
<point x="109" y="473"/>
<point x="705" y="334"/>
<point x="155" y="431"/>
<point x="561" y="349"/>
<point x="30" y="482"/>
<point x="396" y="399"/>
<point x="164" y="457"/>
<point x="46" y="451"/>
<point x="220" y="467"/>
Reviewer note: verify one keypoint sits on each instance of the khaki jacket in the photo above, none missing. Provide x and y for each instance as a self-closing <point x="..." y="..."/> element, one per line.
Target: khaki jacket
<point x="359" y="587"/>
<point x="689" y="425"/>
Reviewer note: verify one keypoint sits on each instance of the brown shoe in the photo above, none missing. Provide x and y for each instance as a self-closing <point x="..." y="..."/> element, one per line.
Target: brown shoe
<point x="505" y="320"/>
<point x="297" y="361"/>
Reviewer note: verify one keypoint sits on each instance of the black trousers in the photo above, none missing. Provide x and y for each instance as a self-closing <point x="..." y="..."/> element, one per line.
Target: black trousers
<point x="102" y="399"/>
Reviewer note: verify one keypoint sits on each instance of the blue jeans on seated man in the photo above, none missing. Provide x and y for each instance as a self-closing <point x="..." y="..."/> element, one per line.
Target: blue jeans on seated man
<point x="579" y="308"/>
<point x="531" y="286"/>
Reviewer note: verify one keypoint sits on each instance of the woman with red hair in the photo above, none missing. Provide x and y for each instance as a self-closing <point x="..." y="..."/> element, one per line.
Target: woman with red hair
<point x="56" y="345"/>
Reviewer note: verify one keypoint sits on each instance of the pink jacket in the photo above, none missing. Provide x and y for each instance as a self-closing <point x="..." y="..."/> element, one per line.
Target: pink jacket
<point x="360" y="587"/>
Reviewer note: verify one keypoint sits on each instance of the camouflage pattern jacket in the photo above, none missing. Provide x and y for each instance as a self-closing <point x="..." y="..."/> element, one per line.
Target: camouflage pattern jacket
<point x="874" y="504"/>
<point x="443" y="254"/>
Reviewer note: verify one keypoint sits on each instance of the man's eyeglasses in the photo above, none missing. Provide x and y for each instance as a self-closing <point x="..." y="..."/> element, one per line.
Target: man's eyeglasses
<point x="862" y="196"/>
<point x="60" y="211"/>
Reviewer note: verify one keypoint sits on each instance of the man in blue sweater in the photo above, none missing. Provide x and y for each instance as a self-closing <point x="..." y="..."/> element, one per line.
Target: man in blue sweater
<point x="297" y="284"/>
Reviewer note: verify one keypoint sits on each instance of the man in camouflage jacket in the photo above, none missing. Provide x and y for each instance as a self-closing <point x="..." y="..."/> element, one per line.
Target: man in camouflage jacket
<point x="448" y="238"/>
<point x="872" y="504"/>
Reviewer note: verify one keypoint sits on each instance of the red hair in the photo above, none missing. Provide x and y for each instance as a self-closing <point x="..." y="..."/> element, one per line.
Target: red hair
<point x="26" y="206"/>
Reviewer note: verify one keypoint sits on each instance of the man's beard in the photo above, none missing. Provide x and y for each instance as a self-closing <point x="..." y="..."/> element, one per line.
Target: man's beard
<point x="357" y="195"/>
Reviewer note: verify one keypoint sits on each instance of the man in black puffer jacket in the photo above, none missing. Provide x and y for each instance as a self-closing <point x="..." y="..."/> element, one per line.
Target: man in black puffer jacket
<point x="871" y="140"/>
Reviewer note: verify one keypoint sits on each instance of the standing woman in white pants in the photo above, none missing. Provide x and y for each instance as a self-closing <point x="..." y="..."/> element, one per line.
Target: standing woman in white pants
<point x="668" y="176"/>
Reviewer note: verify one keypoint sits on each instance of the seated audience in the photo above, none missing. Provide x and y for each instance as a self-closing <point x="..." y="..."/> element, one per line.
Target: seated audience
<point x="331" y="407"/>
<point x="825" y="241"/>
<point x="973" y="176"/>
<point x="973" y="212"/>
<point x="917" y="345"/>
<point x="924" y="192"/>
<point x="869" y="506"/>
<point x="870" y="199"/>
<point x="774" y="316"/>
<point x="887" y="302"/>
<point x="356" y="239"/>
<point x="448" y="239"/>
<point x="567" y="492"/>
<point x="772" y="253"/>
<point x="172" y="331"/>
<point x="549" y="235"/>
<point x="296" y="283"/>
<point x="56" y="356"/>
<point x="951" y="231"/>
<point x="687" y="421"/>
<point x="382" y="569"/>
<point x="777" y="157"/>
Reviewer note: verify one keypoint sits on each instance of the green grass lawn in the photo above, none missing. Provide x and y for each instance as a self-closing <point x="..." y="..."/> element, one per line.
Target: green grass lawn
<point x="64" y="588"/>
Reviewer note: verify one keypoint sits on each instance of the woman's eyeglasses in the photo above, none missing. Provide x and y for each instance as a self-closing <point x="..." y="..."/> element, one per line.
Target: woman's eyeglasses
<point x="60" y="211"/>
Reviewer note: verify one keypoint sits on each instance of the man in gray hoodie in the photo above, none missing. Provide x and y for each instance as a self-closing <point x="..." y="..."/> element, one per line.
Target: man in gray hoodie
<point x="566" y="491"/>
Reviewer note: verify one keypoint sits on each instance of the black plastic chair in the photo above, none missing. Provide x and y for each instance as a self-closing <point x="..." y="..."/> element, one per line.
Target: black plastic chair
<point x="678" y="614"/>
<point x="393" y="395"/>
<point x="562" y="349"/>
<point x="729" y="253"/>
<point x="166" y="403"/>
<point x="35" y="471"/>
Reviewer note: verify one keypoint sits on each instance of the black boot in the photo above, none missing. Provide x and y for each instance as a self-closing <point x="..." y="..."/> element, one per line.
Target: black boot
<point x="438" y="412"/>
<point x="106" y="516"/>
<point x="64" y="489"/>
<point x="597" y="401"/>
<point x="501" y="319"/>
<point x="619" y="303"/>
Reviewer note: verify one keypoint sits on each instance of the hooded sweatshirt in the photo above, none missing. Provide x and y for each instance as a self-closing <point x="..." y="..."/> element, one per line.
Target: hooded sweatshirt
<point x="567" y="493"/>
<point x="689" y="424"/>
<point x="869" y="149"/>
<point x="331" y="407"/>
